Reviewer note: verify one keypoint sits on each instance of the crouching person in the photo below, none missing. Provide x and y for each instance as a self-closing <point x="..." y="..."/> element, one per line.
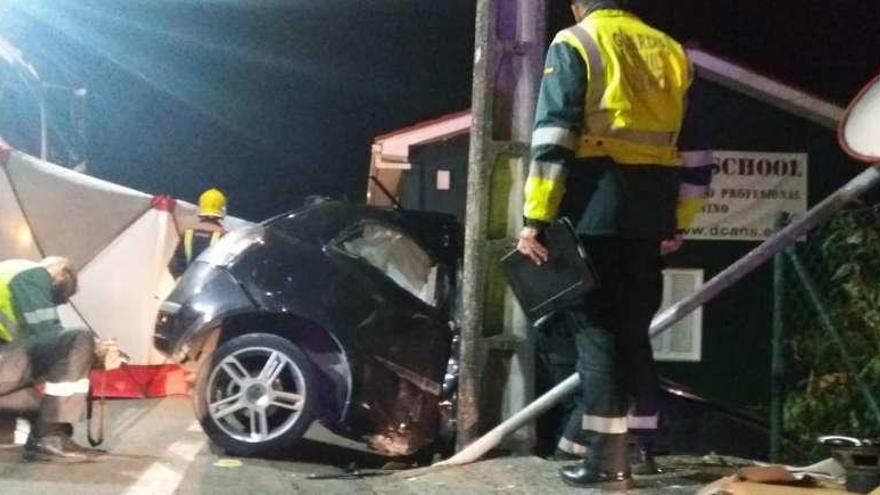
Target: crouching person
<point x="35" y="348"/>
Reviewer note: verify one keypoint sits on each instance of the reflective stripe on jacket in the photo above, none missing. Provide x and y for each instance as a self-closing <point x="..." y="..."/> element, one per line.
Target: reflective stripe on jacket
<point x="26" y="305"/>
<point x="188" y="239"/>
<point x="195" y="240"/>
<point x="637" y="80"/>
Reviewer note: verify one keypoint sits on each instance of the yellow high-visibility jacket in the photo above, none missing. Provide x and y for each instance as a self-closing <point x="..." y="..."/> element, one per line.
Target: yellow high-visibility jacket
<point x="27" y="309"/>
<point x="194" y="241"/>
<point x="615" y="89"/>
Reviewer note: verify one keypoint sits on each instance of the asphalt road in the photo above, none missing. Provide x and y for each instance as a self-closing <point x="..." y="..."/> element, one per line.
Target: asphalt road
<point x="155" y="447"/>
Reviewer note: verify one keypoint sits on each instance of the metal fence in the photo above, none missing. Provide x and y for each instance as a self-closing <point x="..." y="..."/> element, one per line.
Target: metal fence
<point x="826" y="346"/>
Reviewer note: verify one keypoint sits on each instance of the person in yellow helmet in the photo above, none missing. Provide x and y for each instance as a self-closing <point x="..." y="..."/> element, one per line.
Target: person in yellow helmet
<point x="617" y="149"/>
<point x="209" y="230"/>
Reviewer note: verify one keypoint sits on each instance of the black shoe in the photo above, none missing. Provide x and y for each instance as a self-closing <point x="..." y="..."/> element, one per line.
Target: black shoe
<point x="582" y="476"/>
<point x="57" y="448"/>
<point x="642" y="454"/>
<point x="647" y="466"/>
<point x="643" y="462"/>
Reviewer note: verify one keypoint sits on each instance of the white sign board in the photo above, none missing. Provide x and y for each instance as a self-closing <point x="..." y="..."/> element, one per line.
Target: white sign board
<point x="749" y="190"/>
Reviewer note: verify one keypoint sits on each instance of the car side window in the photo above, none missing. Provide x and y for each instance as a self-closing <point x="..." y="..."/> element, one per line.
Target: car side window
<point x="397" y="256"/>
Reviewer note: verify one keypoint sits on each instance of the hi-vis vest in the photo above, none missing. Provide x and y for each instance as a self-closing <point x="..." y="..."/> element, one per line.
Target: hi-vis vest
<point x="637" y="79"/>
<point x="8" y="319"/>
<point x="189" y="236"/>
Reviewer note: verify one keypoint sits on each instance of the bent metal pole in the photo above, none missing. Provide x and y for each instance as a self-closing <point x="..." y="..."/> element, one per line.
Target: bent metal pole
<point x="745" y="265"/>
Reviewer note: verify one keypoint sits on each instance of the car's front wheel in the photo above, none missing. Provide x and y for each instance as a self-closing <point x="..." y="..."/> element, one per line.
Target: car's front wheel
<point x="256" y="394"/>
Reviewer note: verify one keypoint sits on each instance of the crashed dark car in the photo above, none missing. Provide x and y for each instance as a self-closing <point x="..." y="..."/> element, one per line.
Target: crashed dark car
<point x="337" y="313"/>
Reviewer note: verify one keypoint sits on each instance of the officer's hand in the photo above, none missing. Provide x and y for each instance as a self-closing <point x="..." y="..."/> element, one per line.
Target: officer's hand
<point x="530" y="246"/>
<point x="670" y="246"/>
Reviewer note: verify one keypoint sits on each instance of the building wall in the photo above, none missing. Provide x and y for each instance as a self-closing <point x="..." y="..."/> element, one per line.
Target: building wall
<point x="419" y="188"/>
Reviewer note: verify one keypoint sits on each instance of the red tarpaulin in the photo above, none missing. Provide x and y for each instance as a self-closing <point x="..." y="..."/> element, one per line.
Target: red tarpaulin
<point x="139" y="382"/>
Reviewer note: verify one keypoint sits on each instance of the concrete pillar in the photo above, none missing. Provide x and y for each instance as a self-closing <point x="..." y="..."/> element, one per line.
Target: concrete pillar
<point x="497" y="359"/>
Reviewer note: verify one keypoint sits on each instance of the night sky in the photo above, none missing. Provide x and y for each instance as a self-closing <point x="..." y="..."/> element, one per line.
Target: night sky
<point x="274" y="100"/>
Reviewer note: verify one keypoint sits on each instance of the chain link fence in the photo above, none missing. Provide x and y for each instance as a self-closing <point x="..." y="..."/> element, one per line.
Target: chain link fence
<point x="827" y="336"/>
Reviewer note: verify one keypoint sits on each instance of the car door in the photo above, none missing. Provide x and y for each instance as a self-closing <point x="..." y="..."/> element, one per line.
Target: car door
<point x="404" y="345"/>
<point x="407" y="331"/>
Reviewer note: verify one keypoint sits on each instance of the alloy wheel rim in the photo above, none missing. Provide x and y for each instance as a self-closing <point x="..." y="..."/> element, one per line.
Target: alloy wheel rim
<point x="256" y="394"/>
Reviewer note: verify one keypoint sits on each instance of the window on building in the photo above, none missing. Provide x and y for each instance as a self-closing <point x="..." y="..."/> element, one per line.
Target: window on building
<point x="682" y="342"/>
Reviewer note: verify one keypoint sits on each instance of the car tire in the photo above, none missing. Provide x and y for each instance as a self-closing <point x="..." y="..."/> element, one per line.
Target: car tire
<point x="256" y="394"/>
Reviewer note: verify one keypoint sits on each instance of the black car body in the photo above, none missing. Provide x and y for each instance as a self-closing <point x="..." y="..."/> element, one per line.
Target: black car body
<point x="337" y="312"/>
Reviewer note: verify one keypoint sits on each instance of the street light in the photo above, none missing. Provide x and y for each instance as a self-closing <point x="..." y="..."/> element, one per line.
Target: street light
<point x="38" y="89"/>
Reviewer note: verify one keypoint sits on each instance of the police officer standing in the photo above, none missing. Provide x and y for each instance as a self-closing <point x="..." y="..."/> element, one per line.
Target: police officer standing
<point x="606" y="151"/>
<point x="209" y="230"/>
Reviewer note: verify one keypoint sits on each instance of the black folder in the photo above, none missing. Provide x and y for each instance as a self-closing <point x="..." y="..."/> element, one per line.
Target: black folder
<point x="560" y="283"/>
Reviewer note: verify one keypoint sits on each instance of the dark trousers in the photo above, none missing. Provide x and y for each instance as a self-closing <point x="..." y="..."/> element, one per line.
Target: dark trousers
<point x="615" y="359"/>
<point x="556" y="361"/>
<point x="61" y="362"/>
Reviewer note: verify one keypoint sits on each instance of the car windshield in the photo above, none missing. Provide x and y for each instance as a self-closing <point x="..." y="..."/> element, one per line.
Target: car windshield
<point x="397" y="256"/>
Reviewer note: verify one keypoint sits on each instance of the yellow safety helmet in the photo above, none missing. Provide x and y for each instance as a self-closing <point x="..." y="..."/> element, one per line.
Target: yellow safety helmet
<point x="212" y="203"/>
